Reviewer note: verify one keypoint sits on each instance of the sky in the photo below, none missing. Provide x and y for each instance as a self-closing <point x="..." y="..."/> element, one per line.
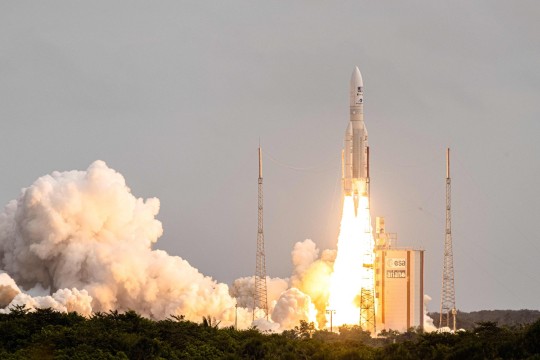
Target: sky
<point x="176" y="95"/>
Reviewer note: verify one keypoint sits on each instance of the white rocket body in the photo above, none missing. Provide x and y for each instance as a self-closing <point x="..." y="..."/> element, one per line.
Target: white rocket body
<point x="355" y="153"/>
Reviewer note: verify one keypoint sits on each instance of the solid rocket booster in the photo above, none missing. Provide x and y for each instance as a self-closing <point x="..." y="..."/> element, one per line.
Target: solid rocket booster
<point x="355" y="151"/>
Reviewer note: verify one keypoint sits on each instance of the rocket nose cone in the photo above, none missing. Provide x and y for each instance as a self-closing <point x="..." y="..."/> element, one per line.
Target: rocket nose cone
<point x="356" y="78"/>
<point x="357" y="88"/>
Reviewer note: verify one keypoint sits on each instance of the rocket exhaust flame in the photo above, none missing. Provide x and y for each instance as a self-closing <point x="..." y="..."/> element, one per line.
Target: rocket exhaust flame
<point x="352" y="282"/>
<point x="353" y="267"/>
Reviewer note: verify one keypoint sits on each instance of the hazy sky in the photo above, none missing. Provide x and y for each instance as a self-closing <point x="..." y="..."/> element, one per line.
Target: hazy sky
<point x="175" y="95"/>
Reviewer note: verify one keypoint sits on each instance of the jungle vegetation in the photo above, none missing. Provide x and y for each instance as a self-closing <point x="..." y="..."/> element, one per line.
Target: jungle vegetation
<point x="47" y="334"/>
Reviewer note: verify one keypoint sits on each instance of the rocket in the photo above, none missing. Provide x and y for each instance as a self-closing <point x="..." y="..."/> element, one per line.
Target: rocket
<point x="355" y="155"/>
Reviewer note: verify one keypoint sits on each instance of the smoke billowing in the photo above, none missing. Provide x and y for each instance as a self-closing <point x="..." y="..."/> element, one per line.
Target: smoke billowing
<point x="83" y="242"/>
<point x="8" y="290"/>
<point x="83" y="237"/>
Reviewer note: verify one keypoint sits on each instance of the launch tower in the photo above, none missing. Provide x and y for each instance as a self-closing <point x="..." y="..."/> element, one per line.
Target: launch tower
<point x="260" y="297"/>
<point x="367" y="295"/>
<point x="448" y="296"/>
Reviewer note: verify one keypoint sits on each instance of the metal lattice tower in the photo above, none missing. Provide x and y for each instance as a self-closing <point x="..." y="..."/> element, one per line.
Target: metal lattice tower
<point x="367" y="310"/>
<point x="260" y="297"/>
<point x="367" y="295"/>
<point x="448" y="296"/>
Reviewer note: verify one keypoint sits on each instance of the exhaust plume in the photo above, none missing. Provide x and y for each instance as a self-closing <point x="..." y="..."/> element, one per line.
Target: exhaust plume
<point x="293" y="306"/>
<point x="311" y="274"/>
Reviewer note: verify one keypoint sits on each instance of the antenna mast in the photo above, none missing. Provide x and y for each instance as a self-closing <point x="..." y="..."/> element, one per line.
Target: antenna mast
<point x="448" y="296"/>
<point x="260" y="299"/>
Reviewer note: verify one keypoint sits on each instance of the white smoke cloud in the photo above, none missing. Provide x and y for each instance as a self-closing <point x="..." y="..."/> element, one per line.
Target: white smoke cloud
<point x="242" y="289"/>
<point x="293" y="306"/>
<point x="8" y="290"/>
<point x="303" y="255"/>
<point x="64" y="300"/>
<point x="311" y="274"/>
<point x="86" y="238"/>
<point x="428" y="322"/>
<point x="303" y="297"/>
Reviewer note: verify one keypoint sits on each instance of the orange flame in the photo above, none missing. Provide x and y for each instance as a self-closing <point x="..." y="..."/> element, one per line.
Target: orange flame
<point x="353" y="267"/>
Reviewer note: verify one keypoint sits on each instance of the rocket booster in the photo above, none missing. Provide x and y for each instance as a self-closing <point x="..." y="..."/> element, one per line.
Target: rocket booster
<point x="355" y="171"/>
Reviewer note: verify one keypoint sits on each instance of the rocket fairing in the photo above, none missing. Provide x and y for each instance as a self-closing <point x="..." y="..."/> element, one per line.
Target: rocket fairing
<point x="355" y="170"/>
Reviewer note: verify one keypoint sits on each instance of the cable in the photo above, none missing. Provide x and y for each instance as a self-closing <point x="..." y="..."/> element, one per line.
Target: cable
<point x="313" y="169"/>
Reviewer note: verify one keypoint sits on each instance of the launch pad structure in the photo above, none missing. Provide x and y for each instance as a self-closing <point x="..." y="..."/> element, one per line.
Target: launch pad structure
<point x="367" y="295"/>
<point x="260" y="294"/>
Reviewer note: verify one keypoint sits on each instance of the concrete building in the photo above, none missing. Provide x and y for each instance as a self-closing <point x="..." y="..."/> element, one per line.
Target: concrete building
<point x="399" y="283"/>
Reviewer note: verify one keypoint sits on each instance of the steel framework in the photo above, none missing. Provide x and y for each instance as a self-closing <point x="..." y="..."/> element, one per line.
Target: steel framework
<point x="448" y="296"/>
<point x="260" y="297"/>
<point x="367" y="310"/>
<point x="367" y="295"/>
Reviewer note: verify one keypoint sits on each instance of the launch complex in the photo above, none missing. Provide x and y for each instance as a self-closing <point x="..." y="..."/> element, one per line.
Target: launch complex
<point x="374" y="282"/>
<point x="390" y="290"/>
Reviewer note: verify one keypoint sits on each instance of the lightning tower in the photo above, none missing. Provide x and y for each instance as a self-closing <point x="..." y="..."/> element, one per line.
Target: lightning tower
<point x="448" y="296"/>
<point x="260" y="297"/>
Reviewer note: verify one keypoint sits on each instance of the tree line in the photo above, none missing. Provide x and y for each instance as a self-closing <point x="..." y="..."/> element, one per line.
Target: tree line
<point x="468" y="320"/>
<point x="48" y="334"/>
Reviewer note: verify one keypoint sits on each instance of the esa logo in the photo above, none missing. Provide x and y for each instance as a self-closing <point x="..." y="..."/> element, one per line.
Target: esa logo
<point x="396" y="263"/>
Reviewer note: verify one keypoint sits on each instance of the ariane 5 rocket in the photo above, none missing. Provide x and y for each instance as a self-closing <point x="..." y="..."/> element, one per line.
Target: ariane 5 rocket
<point x="355" y="156"/>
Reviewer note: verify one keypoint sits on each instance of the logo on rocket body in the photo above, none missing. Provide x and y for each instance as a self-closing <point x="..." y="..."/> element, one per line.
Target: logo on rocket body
<point x="355" y="153"/>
